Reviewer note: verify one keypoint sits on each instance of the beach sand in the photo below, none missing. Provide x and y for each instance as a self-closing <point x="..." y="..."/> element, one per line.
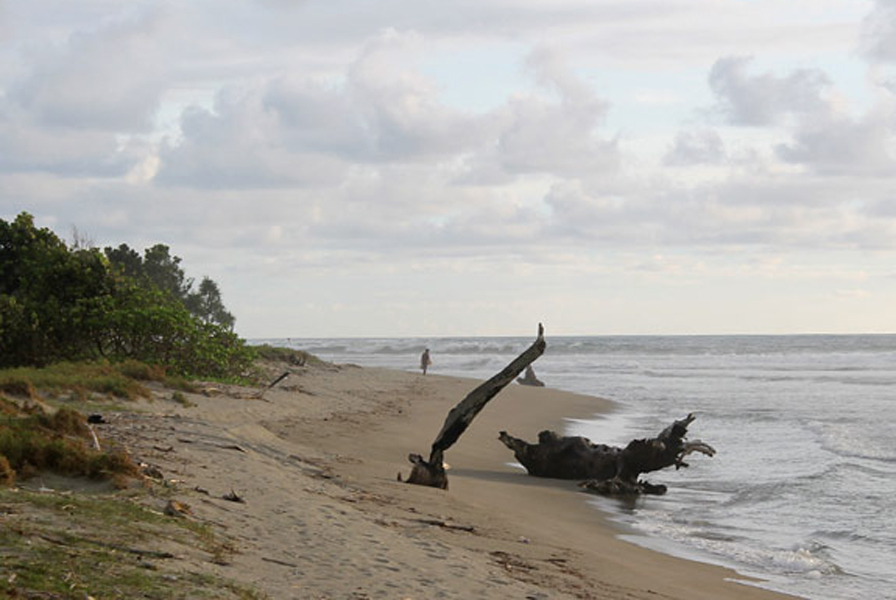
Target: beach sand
<point x="324" y="516"/>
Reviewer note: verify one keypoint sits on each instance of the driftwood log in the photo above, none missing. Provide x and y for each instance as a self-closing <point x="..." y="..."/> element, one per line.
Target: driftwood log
<point x="432" y="472"/>
<point x="607" y="470"/>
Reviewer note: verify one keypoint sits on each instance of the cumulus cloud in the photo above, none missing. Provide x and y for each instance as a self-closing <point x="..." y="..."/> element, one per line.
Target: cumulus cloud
<point x="822" y="136"/>
<point x="766" y="99"/>
<point x="297" y="136"/>
<point x="298" y="131"/>
<point x="558" y="133"/>
<point x="879" y="32"/>
<point x="80" y="105"/>
<point x="239" y="145"/>
<point x="108" y="79"/>
<point x="841" y="145"/>
<point x="26" y="146"/>
<point x="698" y="147"/>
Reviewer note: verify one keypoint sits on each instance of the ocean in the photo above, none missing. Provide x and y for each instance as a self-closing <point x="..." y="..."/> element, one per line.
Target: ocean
<point x="802" y="492"/>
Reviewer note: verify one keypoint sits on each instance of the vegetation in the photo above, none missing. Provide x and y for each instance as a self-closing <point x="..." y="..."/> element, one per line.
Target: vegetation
<point x="122" y="380"/>
<point x="69" y="546"/>
<point x="286" y="355"/>
<point x="78" y="325"/>
<point x="58" y="442"/>
<point x="69" y="304"/>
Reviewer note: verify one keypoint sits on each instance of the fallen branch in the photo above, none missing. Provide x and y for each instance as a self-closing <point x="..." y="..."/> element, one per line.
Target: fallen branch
<point x="608" y="470"/>
<point x="432" y="472"/>
<point x="279" y="562"/>
<point x="231" y="447"/>
<point x="233" y="497"/>
<point x="444" y="525"/>
<point x="261" y="394"/>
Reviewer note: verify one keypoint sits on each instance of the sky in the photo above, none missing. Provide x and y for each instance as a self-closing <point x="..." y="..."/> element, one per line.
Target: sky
<point x="349" y="168"/>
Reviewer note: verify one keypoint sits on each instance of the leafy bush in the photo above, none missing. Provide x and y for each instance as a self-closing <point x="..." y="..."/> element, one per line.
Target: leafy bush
<point x="61" y="304"/>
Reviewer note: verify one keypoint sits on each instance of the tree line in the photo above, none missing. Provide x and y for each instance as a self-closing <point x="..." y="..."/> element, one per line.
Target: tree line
<point x="63" y="302"/>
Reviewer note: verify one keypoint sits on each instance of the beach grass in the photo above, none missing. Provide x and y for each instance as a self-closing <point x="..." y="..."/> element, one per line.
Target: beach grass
<point x="79" y="379"/>
<point x="57" y="442"/>
<point x="125" y="380"/>
<point x="62" y="545"/>
<point x="287" y="355"/>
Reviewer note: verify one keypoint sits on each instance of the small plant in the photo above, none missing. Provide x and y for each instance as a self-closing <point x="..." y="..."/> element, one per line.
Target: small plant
<point x="78" y="378"/>
<point x="286" y="355"/>
<point x="59" y="443"/>
<point x="141" y="371"/>
<point x="181" y="399"/>
<point x="7" y="473"/>
<point x="71" y="546"/>
<point x="16" y="384"/>
<point x="8" y="407"/>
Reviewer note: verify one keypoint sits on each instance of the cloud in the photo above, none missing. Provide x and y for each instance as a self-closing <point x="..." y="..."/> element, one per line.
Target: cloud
<point x="110" y="78"/>
<point x="747" y="209"/>
<point x="762" y="100"/>
<point x="699" y="147"/>
<point x="298" y="131"/>
<point x="879" y="32"/>
<point x="26" y="146"/>
<point x="558" y="133"/>
<point x="841" y="145"/>
<point x="239" y="145"/>
<point x="821" y="135"/>
<point x="397" y="138"/>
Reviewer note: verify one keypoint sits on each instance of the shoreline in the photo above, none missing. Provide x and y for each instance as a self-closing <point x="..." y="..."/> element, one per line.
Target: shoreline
<point x="525" y="411"/>
<point x="325" y="517"/>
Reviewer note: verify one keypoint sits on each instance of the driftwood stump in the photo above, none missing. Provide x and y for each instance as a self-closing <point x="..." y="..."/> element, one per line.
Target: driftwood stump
<point x="432" y="472"/>
<point x="607" y="470"/>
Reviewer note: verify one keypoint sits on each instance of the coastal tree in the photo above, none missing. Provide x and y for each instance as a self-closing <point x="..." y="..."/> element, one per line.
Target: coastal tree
<point x="62" y="304"/>
<point x="206" y="304"/>
<point x="157" y="268"/>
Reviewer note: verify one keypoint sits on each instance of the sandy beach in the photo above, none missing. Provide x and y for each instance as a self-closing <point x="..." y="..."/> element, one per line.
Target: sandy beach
<point x="323" y="515"/>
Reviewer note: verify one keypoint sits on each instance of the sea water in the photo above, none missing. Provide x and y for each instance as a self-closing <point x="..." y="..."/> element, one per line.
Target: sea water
<point x="802" y="492"/>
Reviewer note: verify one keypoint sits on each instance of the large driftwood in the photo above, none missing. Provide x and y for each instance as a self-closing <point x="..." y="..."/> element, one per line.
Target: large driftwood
<point x="432" y="472"/>
<point x="607" y="469"/>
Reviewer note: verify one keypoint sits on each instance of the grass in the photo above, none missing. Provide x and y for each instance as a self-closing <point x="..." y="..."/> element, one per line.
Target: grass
<point x="286" y="355"/>
<point x="123" y="380"/>
<point x="82" y="545"/>
<point x="55" y="545"/>
<point x="57" y="442"/>
<point x="80" y="379"/>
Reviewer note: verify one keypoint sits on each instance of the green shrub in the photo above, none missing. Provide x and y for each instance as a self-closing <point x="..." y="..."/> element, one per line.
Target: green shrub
<point x="16" y="385"/>
<point x="7" y="473"/>
<point x="78" y="378"/>
<point x="285" y="355"/>
<point x="60" y="304"/>
<point x="58" y="443"/>
<point x="141" y="371"/>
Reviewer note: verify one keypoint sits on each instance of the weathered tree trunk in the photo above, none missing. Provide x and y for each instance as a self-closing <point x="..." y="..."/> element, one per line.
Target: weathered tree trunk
<point x="432" y="472"/>
<point x="607" y="469"/>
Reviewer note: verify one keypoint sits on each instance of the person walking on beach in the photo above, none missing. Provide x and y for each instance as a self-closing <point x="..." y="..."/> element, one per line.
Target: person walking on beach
<point x="425" y="360"/>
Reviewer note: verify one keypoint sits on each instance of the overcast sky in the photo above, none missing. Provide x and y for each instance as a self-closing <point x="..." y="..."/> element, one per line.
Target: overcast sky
<point x="473" y="167"/>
